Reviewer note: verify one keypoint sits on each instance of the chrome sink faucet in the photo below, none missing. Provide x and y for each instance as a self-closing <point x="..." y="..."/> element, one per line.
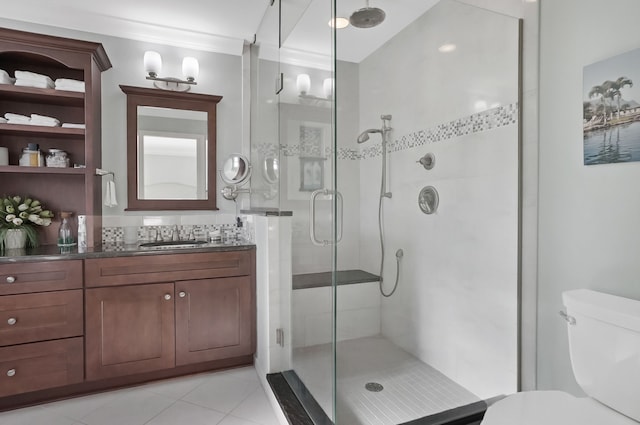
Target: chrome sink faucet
<point x="175" y="234"/>
<point x="159" y="237"/>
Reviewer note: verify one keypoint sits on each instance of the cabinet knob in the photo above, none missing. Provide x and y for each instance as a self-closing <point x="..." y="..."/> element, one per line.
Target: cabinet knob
<point x="11" y="279"/>
<point x="11" y="372"/>
<point x="182" y="294"/>
<point x="12" y="321"/>
<point x="167" y="297"/>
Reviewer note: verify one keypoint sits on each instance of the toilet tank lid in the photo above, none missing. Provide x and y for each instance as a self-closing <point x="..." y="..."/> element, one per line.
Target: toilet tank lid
<point x="619" y="311"/>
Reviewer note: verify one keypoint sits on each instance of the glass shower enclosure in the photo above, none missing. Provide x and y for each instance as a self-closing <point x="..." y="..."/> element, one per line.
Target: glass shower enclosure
<point x="396" y="143"/>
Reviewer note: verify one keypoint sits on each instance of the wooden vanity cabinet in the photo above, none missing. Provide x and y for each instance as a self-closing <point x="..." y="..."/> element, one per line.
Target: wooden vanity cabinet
<point x="137" y="321"/>
<point x="41" y="326"/>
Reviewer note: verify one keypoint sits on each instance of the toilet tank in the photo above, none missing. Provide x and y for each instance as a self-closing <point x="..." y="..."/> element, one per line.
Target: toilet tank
<point x="604" y="343"/>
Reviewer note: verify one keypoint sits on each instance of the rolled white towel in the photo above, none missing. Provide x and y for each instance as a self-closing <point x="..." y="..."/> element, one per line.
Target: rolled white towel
<point x="44" y="120"/>
<point x="32" y="76"/>
<point x="44" y="123"/>
<point x="35" y="117"/>
<point x="17" y="117"/>
<point x="69" y="85"/>
<point x="5" y="78"/>
<point x="32" y="83"/>
<point x="3" y="120"/>
<point x="72" y="125"/>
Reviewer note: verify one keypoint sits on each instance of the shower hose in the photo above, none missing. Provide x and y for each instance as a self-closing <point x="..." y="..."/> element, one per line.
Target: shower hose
<point x="399" y="253"/>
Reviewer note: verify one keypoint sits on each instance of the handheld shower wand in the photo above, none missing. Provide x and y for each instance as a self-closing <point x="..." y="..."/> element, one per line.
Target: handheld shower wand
<point x="363" y="137"/>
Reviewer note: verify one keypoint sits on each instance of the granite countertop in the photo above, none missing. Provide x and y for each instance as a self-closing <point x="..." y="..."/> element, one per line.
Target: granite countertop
<point x="54" y="252"/>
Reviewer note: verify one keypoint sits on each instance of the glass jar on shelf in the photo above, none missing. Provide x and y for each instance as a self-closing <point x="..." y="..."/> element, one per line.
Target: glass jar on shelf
<point x="57" y="158"/>
<point x="31" y="156"/>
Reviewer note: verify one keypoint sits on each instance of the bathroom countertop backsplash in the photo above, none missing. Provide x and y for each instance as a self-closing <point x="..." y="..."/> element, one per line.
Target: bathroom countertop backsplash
<point x="226" y="237"/>
<point x="228" y="232"/>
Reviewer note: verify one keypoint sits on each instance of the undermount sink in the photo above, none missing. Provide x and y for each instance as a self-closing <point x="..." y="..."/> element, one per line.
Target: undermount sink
<point x="173" y="244"/>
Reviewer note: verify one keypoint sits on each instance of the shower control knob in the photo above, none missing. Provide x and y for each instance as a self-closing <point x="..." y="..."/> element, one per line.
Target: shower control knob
<point x="428" y="161"/>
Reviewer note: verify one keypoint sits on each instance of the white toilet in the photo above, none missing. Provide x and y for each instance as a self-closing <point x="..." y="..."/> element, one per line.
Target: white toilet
<point x="604" y="342"/>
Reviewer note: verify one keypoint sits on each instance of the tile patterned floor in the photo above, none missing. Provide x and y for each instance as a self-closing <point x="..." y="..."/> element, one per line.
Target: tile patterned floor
<point x="412" y="389"/>
<point x="233" y="397"/>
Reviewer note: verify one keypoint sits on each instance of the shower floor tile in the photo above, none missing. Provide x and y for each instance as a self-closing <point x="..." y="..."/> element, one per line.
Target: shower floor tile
<point x="412" y="389"/>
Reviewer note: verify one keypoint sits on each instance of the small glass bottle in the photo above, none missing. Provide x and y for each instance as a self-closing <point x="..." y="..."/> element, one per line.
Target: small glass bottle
<point x="65" y="236"/>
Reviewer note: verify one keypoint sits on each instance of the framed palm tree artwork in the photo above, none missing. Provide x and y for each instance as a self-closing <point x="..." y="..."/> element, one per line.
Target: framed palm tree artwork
<point x="611" y="110"/>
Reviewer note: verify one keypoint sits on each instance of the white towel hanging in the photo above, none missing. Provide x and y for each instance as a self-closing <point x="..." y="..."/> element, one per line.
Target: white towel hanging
<point x="110" y="199"/>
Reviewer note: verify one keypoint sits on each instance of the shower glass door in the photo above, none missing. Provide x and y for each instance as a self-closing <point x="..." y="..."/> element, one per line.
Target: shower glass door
<point x="307" y="150"/>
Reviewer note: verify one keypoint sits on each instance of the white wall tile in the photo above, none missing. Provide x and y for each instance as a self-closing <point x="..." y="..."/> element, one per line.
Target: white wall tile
<point x="458" y="276"/>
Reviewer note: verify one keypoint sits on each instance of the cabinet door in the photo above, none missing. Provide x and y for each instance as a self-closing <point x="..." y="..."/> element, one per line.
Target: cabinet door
<point x="129" y="330"/>
<point x="214" y="319"/>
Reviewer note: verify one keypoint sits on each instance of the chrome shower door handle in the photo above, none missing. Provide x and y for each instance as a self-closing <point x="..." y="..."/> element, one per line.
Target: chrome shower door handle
<point x="312" y="215"/>
<point x="312" y="218"/>
<point x="339" y="198"/>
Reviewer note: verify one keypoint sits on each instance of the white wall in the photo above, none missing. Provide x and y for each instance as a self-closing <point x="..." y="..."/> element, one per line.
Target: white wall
<point x="456" y="304"/>
<point x="220" y="74"/>
<point x="589" y="227"/>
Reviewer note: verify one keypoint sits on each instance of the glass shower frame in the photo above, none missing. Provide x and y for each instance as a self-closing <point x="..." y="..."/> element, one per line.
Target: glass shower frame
<point x="287" y="154"/>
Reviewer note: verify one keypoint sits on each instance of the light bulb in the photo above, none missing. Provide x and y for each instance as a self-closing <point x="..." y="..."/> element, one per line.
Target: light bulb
<point x="327" y="88"/>
<point x="152" y="63"/>
<point x="190" y="68"/>
<point x="303" y="83"/>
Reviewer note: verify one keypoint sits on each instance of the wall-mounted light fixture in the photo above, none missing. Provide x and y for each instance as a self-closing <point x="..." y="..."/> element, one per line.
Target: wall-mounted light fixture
<point x="303" y="84"/>
<point x="153" y="66"/>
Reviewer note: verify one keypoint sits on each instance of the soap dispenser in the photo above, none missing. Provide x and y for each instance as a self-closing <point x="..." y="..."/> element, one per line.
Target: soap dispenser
<point x="65" y="236"/>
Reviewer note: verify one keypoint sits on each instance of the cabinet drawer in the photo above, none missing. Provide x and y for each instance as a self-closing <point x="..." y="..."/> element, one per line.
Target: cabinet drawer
<point x="22" y="278"/>
<point x="41" y="365"/>
<point x="40" y="317"/>
<point x="166" y="268"/>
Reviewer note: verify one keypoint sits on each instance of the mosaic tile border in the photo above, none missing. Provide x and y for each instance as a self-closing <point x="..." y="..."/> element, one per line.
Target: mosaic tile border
<point x="231" y="232"/>
<point x="483" y="121"/>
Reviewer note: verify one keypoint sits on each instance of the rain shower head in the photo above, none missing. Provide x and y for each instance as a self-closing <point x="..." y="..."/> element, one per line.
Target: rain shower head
<point x="364" y="136"/>
<point x="367" y="17"/>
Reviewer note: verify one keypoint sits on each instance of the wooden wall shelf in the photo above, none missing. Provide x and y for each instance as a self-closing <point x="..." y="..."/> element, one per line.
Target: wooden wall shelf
<point x="42" y="131"/>
<point x="60" y="189"/>
<point x="41" y="170"/>
<point x="34" y="94"/>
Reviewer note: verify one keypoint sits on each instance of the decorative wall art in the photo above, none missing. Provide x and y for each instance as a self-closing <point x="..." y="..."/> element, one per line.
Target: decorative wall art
<point x="611" y="112"/>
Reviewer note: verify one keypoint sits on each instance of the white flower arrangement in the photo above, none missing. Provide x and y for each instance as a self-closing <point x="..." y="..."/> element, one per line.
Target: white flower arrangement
<point x="22" y="213"/>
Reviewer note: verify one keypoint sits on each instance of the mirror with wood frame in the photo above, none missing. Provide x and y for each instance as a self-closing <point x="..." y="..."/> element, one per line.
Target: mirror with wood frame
<point x="171" y="150"/>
